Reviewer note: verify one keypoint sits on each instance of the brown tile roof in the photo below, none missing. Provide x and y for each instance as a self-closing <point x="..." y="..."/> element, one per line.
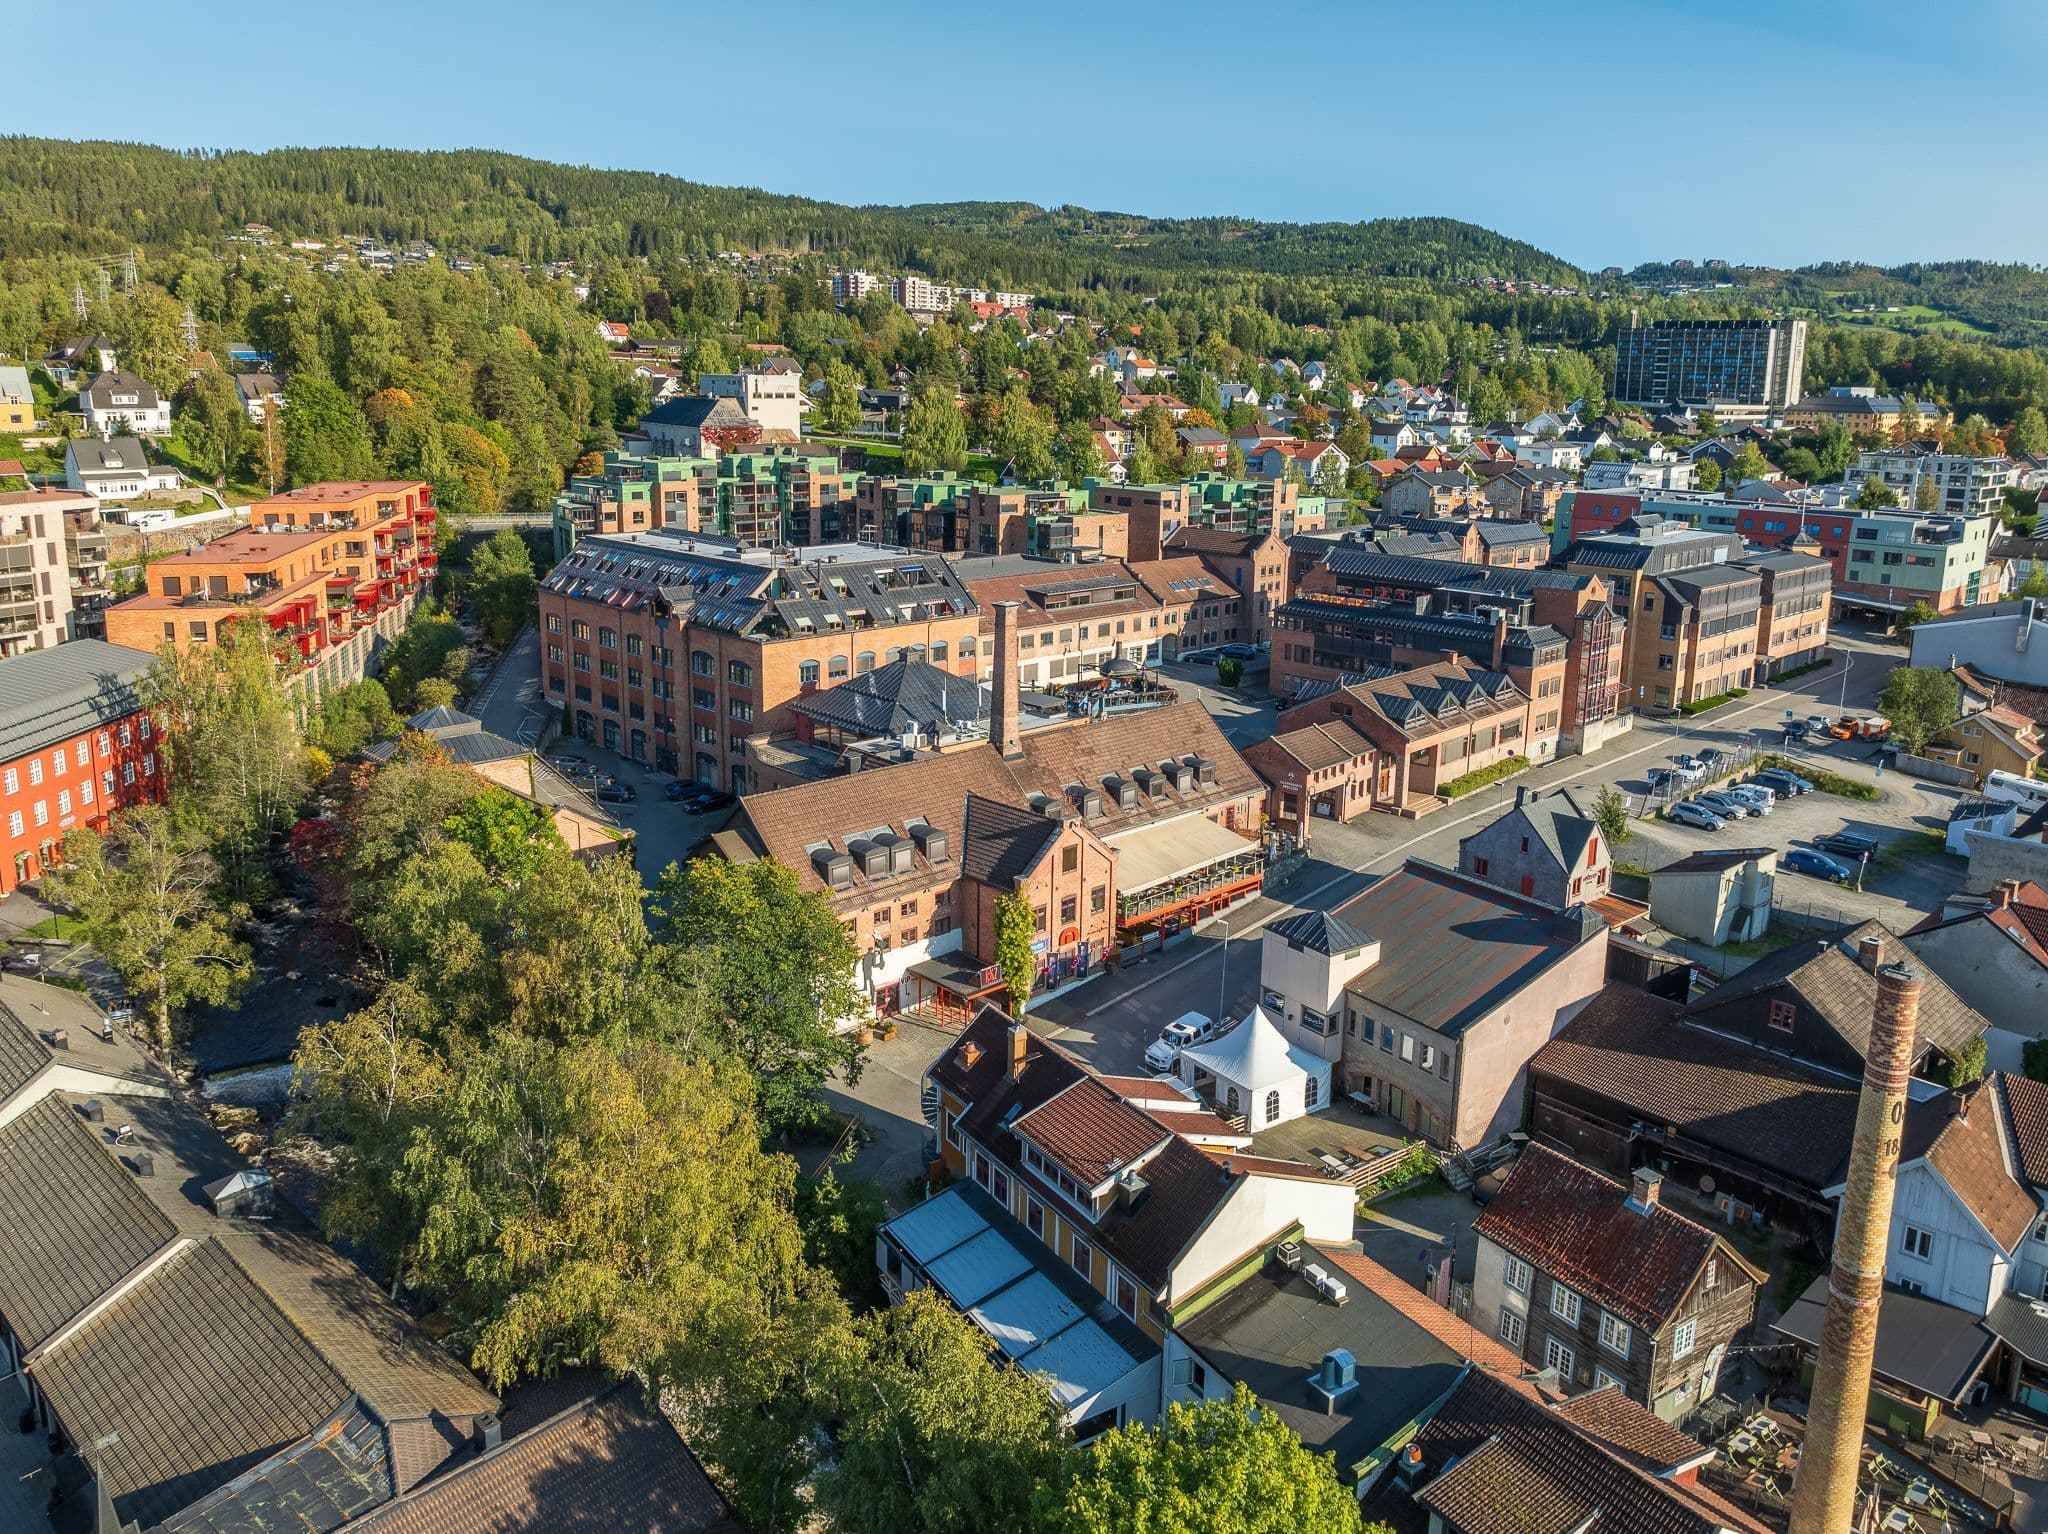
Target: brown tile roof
<point x="1212" y="540"/>
<point x="1517" y="1468"/>
<point x="2026" y="1120"/>
<point x="1578" y="1227"/>
<point x="1183" y="1189"/>
<point x="1968" y="1153"/>
<point x="76" y="1224"/>
<point x="613" y="1462"/>
<point x="197" y="1374"/>
<point x="1844" y="994"/>
<point x="785" y="821"/>
<point x="1018" y="586"/>
<point x="1086" y="753"/>
<point x="1318" y="746"/>
<point x="1633" y="1050"/>
<point x="1002" y="843"/>
<point x="1633" y="1431"/>
<point x="1090" y="1131"/>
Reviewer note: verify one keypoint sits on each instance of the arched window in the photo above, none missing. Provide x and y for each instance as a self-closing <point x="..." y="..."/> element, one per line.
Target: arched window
<point x="1230" y="1098"/>
<point x="836" y="667"/>
<point x="807" y="673"/>
<point x="701" y="663"/>
<point x="864" y="662"/>
<point x="939" y="650"/>
<point x="895" y="654"/>
<point x="1272" y="1107"/>
<point x="1311" y="1093"/>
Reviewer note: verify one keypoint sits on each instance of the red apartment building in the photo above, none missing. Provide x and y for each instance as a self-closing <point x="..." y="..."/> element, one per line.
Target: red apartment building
<point x="75" y="748"/>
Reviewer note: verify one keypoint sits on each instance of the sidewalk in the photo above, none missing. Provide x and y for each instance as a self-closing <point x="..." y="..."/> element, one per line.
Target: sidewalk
<point x="511" y="703"/>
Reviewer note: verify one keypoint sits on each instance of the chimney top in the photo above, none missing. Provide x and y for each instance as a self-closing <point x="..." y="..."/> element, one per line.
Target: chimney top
<point x="1870" y="952"/>
<point x="1020" y="1041"/>
<point x="1645" y="1190"/>
<point x="1523" y="794"/>
<point x="2008" y="891"/>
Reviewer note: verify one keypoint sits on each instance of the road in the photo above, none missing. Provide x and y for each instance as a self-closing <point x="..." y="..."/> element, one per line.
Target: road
<point x="1109" y="1021"/>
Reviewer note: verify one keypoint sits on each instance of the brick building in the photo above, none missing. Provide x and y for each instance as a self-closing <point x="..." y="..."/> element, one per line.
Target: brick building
<point x="335" y="569"/>
<point x="76" y="748"/>
<point x="1254" y="563"/>
<point x="673" y="650"/>
<point x="1076" y="618"/>
<point x="1429" y="725"/>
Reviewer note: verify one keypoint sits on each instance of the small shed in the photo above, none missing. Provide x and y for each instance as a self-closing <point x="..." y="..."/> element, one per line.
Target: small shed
<point x="1253" y="1070"/>
<point x="1722" y="896"/>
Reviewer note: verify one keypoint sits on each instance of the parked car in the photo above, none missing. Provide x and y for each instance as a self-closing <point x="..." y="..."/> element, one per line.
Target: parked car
<point x="1820" y="724"/>
<point x="1688" y="769"/>
<point x="1659" y="776"/>
<point x="615" y="793"/>
<point x="1188" y="1028"/>
<point x="1240" y="651"/>
<point x="1727" y="806"/>
<point x="1759" y="800"/>
<point x="1805" y="860"/>
<point x="681" y="789"/>
<point x="566" y="761"/>
<point x="1781" y="782"/>
<point x="26" y="961"/>
<point x="1848" y="844"/>
<point x="1199" y="657"/>
<point x="706" y="802"/>
<point x="1689" y="812"/>
<point x="1716" y="759"/>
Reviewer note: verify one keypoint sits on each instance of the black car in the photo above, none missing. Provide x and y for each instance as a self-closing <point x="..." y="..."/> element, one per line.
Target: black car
<point x="1240" y="651"/>
<point x="616" y="793"/>
<point x="680" y="790"/>
<point x="1847" y="844"/>
<point x="711" y="799"/>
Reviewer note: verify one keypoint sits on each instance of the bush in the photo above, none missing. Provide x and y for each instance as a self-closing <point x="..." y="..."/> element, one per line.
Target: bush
<point x="1701" y="705"/>
<point x="1458" y="787"/>
<point x="1813" y="665"/>
<point x="1418" y="1162"/>
<point x="1823" y="781"/>
<point x="1229" y="671"/>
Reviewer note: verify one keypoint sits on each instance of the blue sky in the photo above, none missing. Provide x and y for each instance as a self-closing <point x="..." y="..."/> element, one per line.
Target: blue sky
<point x="1603" y="130"/>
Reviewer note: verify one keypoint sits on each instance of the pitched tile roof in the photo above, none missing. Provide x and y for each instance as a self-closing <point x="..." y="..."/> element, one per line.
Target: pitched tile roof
<point x="1319" y="746"/>
<point x="1517" y="1468"/>
<point x="1090" y="1131"/>
<point x="1580" y="1228"/>
<point x="1969" y="1152"/>
<point x="1844" y="994"/>
<point x="1633" y="1431"/>
<point x="2026" y="1119"/>
<point x="1633" y="1050"/>
<point x="1089" y="752"/>
<point x="612" y="1462"/>
<point x="1003" y="843"/>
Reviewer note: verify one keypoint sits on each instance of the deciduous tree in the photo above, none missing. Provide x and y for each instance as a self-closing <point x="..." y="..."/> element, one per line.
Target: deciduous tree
<point x="1224" y="1467"/>
<point x="1016" y="960"/>
<point x="1610" y="814"/>
<point x="1921" y="702"/>
<point x="935" y="436"/>
<point x="144" y="893"/>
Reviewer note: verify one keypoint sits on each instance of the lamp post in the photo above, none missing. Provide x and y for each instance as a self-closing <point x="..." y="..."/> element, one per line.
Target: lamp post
<point x="1223" y="980"/>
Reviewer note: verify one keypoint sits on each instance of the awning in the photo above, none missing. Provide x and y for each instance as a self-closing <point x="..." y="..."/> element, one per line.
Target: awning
<point x="1922" y="1344"/>
<point x="2022" y="1324"/>
<point x="1168" y="849"/>
<point x="961" y="974"/>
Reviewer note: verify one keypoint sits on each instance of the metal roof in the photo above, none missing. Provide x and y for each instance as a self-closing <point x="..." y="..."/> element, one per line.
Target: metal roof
<point x="51" y="695"/>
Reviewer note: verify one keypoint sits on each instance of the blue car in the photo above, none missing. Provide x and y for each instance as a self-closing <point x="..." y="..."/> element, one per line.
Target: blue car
<point x="1818" y="864"/>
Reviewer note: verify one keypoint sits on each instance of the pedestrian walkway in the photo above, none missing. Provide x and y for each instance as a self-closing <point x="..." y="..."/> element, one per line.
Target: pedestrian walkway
<point x="511" y="703"/>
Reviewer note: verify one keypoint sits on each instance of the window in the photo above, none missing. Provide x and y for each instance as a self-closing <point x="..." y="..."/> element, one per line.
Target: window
<point x="1272" y="1107"/>
<point x="1559" y="1357"/>
<point x="57" y="761"/>
<point x="1479" y="868"/>
<point x="1614" y="1333"/>
<point x="1683" y="1339"/>
<point x="1512" y="1328"/>
<point x="35" y="770"/>
<point x="42" y="812"/>
<point x="1917" y="1242"/>
<point x="807" y="674"/>
<point x="1126" y="1296"/>
<point x="1098" y="897"/>
<point x="85" y="792"/>
<point x="13" y="781"/>
<point x="1082" y="1256"/>
<point x="952" y="1127"/>
<point x="1564" y="1303"/>
<point x="1602" y="1379"/>
<point x="15" y="826"/>
<point x="1034" y="1217"/>
<point x="64" y="802"/>
<point x="1407" y="1046"/>
<point x="1782" y="1013"/>
<point x="836" y="668"/>
<point x="1516" y="1275"/>
<point x="1069" y="908"/>
<point x="1070" y="859"/>
<point x="106" y="742"/>
<point x="701" y="663"/>
<point x="739" y="673"/>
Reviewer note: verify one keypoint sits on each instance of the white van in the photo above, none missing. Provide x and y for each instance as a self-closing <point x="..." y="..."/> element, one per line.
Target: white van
<point x="1189" y="1028"/>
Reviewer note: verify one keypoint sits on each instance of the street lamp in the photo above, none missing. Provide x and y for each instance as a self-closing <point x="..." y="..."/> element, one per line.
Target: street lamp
<point x="1223" y="980"/>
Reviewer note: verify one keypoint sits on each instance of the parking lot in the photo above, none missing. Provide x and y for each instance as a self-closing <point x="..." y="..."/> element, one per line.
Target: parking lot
<point x="663" y="832"/>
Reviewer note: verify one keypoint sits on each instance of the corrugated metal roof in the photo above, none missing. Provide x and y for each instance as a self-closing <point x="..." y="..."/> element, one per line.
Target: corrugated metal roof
<point x="51" y="695"/>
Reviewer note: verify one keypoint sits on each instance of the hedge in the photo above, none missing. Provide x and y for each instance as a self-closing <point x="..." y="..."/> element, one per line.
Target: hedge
<point x="1458" y="787"/>
<point x="1703" y="704"/>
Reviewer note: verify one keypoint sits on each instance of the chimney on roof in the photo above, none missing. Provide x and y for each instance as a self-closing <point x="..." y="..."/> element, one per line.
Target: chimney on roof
<point x="2008" y="891"/>
<point x="60" y="1038"/>
<point x="1870" y="952"/>
<point x="489" y="1432"/>
<point x="1500" y="635"/>
<point x="1408" y="1468"/>
<point x="1522" y="795"/>
<point x="1824" y="1493"/>
<point x="1645" y="1190"/>
<point x="1020" y="1041"/>
<point x="1003" y="694"/>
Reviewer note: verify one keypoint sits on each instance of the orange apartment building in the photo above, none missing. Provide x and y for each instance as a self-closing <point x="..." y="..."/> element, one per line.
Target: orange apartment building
<point x="335" y="569"/>
<point x="674" y="650"/>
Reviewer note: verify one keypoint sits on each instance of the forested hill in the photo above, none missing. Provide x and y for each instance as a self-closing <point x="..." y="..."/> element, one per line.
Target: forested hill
<point x="95" y="198"/>
<point x="1442" y="249"/>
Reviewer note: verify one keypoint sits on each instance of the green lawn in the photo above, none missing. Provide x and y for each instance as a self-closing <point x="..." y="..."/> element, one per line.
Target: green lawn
<point x="68" y="928"/>
<point x="173" y="451"/>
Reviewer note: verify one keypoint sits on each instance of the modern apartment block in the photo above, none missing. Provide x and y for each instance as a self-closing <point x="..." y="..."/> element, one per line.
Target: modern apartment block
<point x="1963" y="486"/>
<point x="335" y="569"/>
<point x="35" y="567"/>
<point x="75" y="746"/>
<point x="1792" y="624"/>
<point x="1576" y="605"/>
<point x="1704" y="362"/>
<point x="632" y="493"/>
<point x="672" y="649"/>
<point x="1214" y="501"/>
<point x="925" y="512"/>
<point x="784" y="497"/>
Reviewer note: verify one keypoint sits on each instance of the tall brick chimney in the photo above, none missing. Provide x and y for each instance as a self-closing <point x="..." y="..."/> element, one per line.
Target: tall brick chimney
<point x="1003" y="708"/>
<point x="1824" y="1493"/>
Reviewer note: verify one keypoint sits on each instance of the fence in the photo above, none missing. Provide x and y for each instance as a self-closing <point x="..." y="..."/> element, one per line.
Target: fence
<point x="1732" y="762"/>
<point x="1934" y="771"/>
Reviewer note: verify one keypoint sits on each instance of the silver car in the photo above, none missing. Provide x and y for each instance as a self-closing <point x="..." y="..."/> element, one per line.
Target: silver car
<point x="1726" y="805"/>
<point x="1761" y="800"/>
